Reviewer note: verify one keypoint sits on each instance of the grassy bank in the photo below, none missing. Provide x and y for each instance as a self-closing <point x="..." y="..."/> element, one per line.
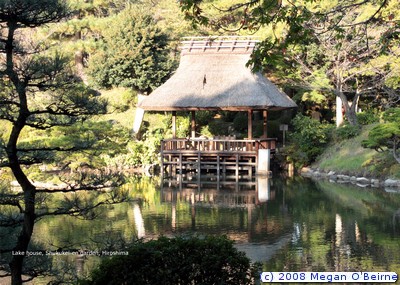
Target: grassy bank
<point x="349" y="157"/>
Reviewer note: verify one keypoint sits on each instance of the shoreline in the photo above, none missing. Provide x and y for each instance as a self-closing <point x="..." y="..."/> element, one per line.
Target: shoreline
<point x="387" y="183"/>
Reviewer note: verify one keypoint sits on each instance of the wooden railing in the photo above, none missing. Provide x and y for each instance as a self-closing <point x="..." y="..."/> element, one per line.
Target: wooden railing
<point x="216" y="145"/>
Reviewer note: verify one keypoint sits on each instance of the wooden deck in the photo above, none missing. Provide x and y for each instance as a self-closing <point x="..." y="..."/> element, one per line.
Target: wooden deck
<point x="220" y="156"/>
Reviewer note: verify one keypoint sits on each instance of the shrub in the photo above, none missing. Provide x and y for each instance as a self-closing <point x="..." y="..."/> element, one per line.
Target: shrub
<point x="392" y="115"/>
<point x="307" y="140"/>
<point x="367" y="118"/>
<point x="171" y="261"/>
<point x="240" y="122"/>
<point x="346" y="132"/>
<point x="386" y="135"/>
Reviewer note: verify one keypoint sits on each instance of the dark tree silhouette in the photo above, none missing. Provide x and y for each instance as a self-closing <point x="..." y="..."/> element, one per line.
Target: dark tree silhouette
<point x="39" y="93"/>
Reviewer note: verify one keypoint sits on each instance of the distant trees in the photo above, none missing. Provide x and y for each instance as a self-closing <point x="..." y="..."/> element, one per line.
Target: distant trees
<point x="39" y="93"/>
<point x="338" y="62"/>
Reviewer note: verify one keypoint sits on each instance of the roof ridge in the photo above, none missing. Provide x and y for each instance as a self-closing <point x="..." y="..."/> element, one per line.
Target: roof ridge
<point x="216" y="44"/>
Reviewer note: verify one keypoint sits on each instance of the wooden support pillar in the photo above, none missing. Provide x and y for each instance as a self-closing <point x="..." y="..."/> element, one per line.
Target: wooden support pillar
<point x="193" y="124"/>
<point x="250" y="124"/>
<point x="265" y="114"/>
<point x="174" y="124"/>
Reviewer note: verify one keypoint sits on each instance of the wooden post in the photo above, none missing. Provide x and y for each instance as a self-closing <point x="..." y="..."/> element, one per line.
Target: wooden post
<point x="265" y="114"/>
<point x="218" y="167"/>
<point x="162" y="158"/>
<point x="193" y="124"/>
<point x="237" y="167"/>
<point x="250" y="124"/>
<point x="174" y="124"/>
<point x="180" y="163"/>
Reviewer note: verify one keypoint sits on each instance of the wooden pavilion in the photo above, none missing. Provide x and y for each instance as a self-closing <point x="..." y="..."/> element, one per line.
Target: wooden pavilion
<point x="212" y="75"/>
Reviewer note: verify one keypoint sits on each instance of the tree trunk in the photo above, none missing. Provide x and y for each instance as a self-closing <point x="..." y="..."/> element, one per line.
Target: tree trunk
<point x="351" y="117"/>
<point x="80" y="66"/>
<point x="339" y="113"/>
<point x="24" y="237"/>
<point x="350" y="111"/>
<point x="29" y="190"/>
<point x="396" y="142"/>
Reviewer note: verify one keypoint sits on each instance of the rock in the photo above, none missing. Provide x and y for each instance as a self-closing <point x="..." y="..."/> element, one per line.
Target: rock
<point x="330" y="173"/>
<point x="391" y="183"/>
<point x="343" y="177"/>
<point x="363" y="180"/>
<point x="306" y="170"/>
<point x="392" y="190"/>
<point x="375" y="182"/>
<point x="333" y="177"/>
<point x="346" y="178"/>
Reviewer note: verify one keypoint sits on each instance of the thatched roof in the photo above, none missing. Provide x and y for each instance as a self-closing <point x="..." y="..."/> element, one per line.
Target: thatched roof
<point x="212" y="75"/>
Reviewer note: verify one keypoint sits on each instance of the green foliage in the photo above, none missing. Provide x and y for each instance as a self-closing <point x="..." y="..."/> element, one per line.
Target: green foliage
<point x="349" y="157"/>
<point x="133" y="53"/>
<point x="205" y="131"/>
<point x="367" y="118"/>
<point x="345" y="132"/>
<point x="307" y="140"/>
<point x="240" y="122"/>
<point x="82" y="143"/>
<point x="171" y="261"/>
<point x="392" y="115"/>
<point x="381" y="136"/>
<point x="146" y="150"/>
<point x="386" y="135"/>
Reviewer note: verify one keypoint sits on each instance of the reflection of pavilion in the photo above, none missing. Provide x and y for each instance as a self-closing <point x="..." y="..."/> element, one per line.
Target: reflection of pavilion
<point x="212" y="191"/>
<point x="240" y="206"/>
<point x="238" y="209"/>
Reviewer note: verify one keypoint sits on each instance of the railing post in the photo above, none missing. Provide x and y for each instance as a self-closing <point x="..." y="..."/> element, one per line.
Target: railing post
<point x="162" y="157"/>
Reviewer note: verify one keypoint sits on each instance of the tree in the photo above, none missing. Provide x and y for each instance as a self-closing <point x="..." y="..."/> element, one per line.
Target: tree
<point x="309" y="138"/>
<point x="254" y="14"/>
<point x="79" y="33"/>
<point x="133" y="53"/>
<point x="342" y="37"/>
<point x="338" y="62"/>
<point x="386" y="135"/>
<point x="40" y="93"/>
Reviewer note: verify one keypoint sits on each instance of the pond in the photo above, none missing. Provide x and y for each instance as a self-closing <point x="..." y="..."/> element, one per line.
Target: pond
<point x="287" y="224"/>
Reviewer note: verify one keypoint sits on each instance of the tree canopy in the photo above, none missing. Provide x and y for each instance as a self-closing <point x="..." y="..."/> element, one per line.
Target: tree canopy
<point x="386" y="136"/>
<point x="343" y="49"/>
<point x="40" y="93"/>
<point x="133" y="53"/>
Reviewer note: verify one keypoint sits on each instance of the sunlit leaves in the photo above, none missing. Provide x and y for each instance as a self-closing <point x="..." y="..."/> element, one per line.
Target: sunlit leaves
<point x="386" y="135"/>
<point x="310" y="137"/>
<point x="133" y="53"/>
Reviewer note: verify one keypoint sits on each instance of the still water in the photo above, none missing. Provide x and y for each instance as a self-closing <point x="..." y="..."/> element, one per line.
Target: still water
<point x="291" y="224"/>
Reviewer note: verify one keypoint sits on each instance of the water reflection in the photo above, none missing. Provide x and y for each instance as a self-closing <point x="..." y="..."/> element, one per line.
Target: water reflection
<point x="292" y="224"/>
<point x="287" y="224"/>
<point x="139" y="222"/>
